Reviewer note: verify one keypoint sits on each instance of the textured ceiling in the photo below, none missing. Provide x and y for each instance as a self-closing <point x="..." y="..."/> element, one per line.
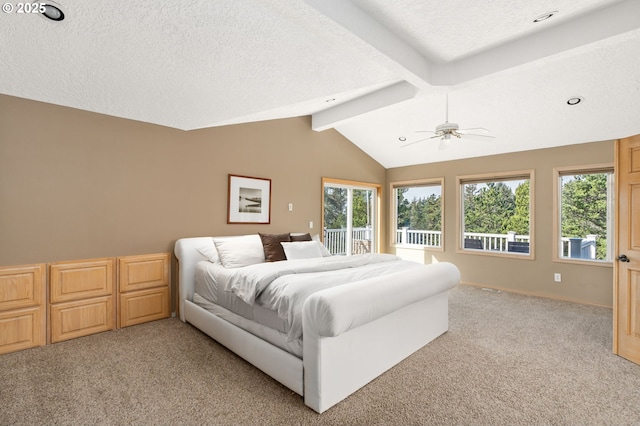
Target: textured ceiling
<point x="447" y="31"/>
<point x="386" y="68"/>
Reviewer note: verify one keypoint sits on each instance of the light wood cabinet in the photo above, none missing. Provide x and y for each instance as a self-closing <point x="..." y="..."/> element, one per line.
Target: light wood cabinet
<point x="81" y="298"/>
<point x="143" y="288"/>
<point x="22" y="307"/>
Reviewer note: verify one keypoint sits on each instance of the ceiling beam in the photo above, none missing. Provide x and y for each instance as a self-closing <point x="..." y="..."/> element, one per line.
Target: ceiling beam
<point x="591" y="27"/>
<point x="397" y="56"/>
<point x="343" y="112"/>
<point x="409" y="65"/>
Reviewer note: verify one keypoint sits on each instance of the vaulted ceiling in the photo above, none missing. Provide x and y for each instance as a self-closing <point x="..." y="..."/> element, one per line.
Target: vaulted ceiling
<point x="374" y="70"/>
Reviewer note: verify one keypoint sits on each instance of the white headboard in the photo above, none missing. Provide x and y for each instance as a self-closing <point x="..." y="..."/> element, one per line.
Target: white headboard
<point x="188" y="256"/>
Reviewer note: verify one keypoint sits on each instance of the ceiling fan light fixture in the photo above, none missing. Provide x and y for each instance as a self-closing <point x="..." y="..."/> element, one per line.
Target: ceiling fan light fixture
<point x="574" y="100"/>
<point x="544" y="16"/>
<point x="447" y="127"/>
<point x="446" y="130"/>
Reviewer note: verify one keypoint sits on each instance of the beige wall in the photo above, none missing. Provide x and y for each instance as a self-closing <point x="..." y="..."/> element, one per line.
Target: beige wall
<point x="79" y="185"/>
<point x="584" y="283"/>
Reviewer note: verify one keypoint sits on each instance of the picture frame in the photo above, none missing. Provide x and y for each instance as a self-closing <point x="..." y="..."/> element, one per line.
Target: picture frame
<point x="249" y="200"/>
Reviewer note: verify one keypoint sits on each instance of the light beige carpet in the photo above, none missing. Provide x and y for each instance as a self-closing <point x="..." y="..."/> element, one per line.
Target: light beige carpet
<point x="507" y="359"/>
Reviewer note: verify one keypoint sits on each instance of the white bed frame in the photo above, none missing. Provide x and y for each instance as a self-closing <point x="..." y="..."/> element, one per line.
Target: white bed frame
<point x="364" y="333"/>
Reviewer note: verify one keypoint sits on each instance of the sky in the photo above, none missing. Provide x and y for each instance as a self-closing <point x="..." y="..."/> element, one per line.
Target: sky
<point x="422" y="192"/>
<point x="426" y="191"/>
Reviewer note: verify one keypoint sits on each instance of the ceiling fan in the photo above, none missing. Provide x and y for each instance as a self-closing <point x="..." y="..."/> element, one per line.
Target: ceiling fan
<point x="446" y="130"/>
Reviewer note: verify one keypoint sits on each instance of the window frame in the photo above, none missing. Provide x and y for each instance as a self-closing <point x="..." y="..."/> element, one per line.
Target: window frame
<point x="496" y="177"/>
<point x="350" y="184"/>
<point x="558" y="172"/>
<point x="393" y="212"/>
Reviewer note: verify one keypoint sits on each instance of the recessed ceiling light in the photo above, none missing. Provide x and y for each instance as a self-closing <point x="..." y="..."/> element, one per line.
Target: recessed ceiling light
<point x="53" y="12"/>
<point x="574" y="100"/>
<point x="402" y="139"/>
<point x="545" y="16"/>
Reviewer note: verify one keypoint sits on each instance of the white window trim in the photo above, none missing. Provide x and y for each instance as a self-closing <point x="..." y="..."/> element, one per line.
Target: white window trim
<point x="342" y="183"/>
<point x="393" y="210"/>
<point x="584" y="169"/>
<point x="485" y="177"/>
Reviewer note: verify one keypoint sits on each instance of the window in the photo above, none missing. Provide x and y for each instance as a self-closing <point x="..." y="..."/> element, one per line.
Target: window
<point x="495" y="214"/>
<point x="584" y="213"/>
<point x="350" y="218"/>
<point x="417" y="213"/>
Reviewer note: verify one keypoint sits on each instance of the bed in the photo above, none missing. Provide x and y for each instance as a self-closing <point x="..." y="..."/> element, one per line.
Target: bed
<point x="357" y="316"/>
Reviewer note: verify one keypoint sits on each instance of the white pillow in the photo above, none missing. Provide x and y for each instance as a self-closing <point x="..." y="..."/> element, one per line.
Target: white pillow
<point x="236" y="252"/>
<point x="301" y="250"/>
<point x="209" y="251"/>
<point x="325" y="251"/>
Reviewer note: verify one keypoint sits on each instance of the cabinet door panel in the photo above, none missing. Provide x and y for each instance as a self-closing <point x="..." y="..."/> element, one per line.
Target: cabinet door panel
<point x="21" y="329"/>
<point x="81" y="318"/>
<point x="22" y="286"/>
<point x="145" y="271"/>
<point x="81" y="279"/>
<point x="143" y="306"/>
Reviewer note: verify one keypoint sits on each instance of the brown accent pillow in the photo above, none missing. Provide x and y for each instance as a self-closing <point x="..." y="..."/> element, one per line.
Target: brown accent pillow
<point x="305" y="237"/>
<point x="273" y="251"/>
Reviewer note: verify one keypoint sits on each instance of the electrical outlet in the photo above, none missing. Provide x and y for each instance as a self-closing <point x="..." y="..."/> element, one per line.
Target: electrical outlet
<point x="557" y="277"/>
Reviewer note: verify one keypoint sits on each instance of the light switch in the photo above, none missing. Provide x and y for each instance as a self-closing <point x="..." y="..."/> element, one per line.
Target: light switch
<point x="310" y="224"/>
<point x="290" y="207"/>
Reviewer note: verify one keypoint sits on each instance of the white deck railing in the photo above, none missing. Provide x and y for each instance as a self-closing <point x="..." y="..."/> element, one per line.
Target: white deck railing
<point x="335" y="241"/>
<point x="418" y="237"/>
<point x="496" y="242"/>
<point x="580" y="248"/>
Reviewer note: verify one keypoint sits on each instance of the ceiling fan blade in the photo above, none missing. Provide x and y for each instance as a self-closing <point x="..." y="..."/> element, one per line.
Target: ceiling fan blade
<point x="414" y="142"/>
<point x="475" y="129"/>
<point x="464" y="134"/>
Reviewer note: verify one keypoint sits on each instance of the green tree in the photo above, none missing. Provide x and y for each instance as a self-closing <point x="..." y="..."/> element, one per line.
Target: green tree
<point x="362" y="205"/>
<point x="584" y="209"/>
<point x="470" y="192"/>
<point x="403" y="219"/>
<point x="335" y="207"/>
<point x="433" y="213"/>
<point x="424" y="213"/>
<point x="519" y="222"/>
<point x="417" y="216"/>
<point x="488" y="209"/>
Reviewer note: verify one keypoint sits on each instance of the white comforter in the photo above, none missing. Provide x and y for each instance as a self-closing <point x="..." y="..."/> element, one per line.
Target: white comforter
<point x="284" y="286"/>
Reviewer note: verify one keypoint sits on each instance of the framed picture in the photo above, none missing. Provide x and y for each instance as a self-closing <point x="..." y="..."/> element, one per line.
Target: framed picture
<point x="249" y="200"/>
